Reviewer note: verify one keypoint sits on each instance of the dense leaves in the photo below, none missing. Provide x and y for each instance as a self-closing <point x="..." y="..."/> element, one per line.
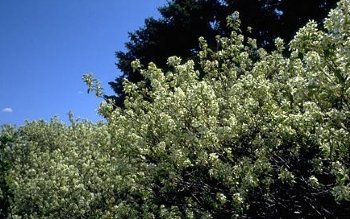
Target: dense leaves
<point x="7" y="136"/>
<point x="182" y="22"/>
<point x="242" y="133"/>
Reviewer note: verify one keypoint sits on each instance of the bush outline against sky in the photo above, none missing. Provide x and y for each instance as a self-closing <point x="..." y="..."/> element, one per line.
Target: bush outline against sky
<point x="247" y="133"/>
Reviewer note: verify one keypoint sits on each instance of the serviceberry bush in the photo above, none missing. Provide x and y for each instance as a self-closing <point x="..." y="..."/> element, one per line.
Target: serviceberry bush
<point x="243" y="133"/>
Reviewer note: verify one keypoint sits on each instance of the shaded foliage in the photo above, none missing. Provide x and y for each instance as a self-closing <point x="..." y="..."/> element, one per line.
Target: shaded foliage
<point x="7" y="137"/>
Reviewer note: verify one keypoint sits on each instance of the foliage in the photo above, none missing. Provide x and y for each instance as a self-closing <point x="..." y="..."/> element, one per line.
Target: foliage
<point x="7" y="136"/>
<point x="247" y="134"/>
<point x="182" y="22"/>
<point x="62" y="172"/>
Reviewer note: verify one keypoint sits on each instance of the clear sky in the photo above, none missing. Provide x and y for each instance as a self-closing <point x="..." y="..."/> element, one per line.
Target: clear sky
<point x="47" y="45"/>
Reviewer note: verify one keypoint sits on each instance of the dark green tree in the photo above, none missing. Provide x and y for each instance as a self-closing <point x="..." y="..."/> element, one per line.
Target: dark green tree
<point x="182" y="22"/>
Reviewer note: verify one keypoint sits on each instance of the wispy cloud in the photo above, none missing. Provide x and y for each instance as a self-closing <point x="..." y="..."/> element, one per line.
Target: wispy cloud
<point x="7" y="110"/>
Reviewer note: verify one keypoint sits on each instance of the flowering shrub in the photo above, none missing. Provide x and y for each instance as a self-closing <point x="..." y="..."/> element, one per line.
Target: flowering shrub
<point x="7" y="136"/>
<point x="62" y="172"/>
<point x="241" y="134"/>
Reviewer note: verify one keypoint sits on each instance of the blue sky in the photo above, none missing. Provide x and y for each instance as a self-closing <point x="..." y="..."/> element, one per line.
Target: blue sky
<point x="47" y="45"/>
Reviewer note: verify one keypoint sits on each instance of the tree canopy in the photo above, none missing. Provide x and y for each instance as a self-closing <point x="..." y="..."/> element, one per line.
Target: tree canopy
<point x="182" y="22"/>
<point x="241" y="132"/>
